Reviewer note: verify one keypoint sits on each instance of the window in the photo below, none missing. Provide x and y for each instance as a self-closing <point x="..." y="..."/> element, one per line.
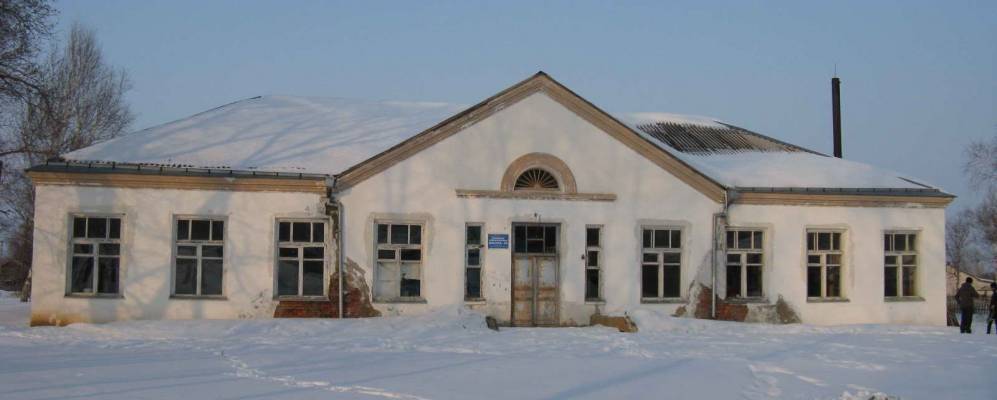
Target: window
<point x="823" y="263"/>
<point x="661" y="263"/>
<point x="300" y="258"/>
<point x="900" y="264"/>
<point x="399" y="261"/>
<point x="96" y="260"/>
<point x="534" y="239"/>
<point x="536" y="179"/>
<point x="198" y="265"/>
<point x="472" y="261"/>
<point x="593" y="262"/>
<point x="744" y="263"/>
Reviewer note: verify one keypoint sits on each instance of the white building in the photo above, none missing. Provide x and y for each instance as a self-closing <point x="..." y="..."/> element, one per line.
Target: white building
<point x="533" y="206"/>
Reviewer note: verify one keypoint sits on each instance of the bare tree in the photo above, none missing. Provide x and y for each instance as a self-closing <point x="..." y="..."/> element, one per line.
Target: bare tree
<point x="80" y="102"/>
<point x="24" y="26"/>
<point x="981" y="164"/>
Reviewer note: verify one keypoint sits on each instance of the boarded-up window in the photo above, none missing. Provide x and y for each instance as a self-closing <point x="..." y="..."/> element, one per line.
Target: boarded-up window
<point x="95" y="265"/>
<point x="198" y="263"/>
<point x="661" y="263"/>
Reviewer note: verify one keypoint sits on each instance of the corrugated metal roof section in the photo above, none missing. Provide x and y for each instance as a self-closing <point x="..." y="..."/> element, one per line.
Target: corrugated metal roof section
<point x="719" y="139"/>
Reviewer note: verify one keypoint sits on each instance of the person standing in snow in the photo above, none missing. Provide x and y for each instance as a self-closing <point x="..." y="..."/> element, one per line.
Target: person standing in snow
<point x="993" y="305"/>
<point x="966" y="297"/>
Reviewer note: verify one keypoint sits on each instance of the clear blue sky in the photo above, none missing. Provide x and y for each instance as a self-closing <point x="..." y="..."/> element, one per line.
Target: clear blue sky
<point x="919" y="79"/>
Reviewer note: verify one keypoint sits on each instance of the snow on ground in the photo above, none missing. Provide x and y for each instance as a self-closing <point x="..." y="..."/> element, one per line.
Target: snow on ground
<point x="449" y="354"/>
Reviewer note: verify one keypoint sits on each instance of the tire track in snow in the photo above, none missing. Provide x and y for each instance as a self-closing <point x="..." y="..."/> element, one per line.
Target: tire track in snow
<point x="243" y="370"/>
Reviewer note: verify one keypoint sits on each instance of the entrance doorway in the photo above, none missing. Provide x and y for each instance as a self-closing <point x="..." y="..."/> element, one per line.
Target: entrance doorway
<point x="535" y="280"/>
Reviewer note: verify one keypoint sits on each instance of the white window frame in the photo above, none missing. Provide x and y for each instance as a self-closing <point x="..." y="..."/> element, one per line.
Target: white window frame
<point x="660" y="262"/>
<point x="911" y="241"/>
<point x="95" y="243"/>
<point x="823" y="264"/>
<point x="480" y="246"/>
<point x="397" y="259"/>
<point x="176" y="242"/>
<point x="300" y="256"/>
<point x="743" y="260"/>
<point x="598" y="263"/>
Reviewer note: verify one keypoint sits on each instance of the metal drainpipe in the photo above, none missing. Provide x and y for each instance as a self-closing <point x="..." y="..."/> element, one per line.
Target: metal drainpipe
<point x="717" y="245"/>
<point x="340" y="251"/>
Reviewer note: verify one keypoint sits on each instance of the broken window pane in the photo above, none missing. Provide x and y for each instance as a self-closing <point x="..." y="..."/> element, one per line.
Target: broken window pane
<point x="890" y="280"/>
<point x="473" y="235"/>
<point x="472" y="285"/>
<point x="649" y="281"/>
<point x="97" y="228"/>
<point x="115" y="229"/>
<point x="754" y="281"/>
<point x="82" y="275"/>
<point x="833" y="281"/>
<point x="218" y="230"/>
<point x="284" y="232"/>
<point x="734" y="280"/>
<point x="211" y="277"/>
<point x="318" y="232"/>
<point x="107" y="281"/>
<point x="813" y="282"/>
<point x="382" y="233"/>
<point x="399" y="234"/>
<point x="410" y="285"/>
<point x="287" y="278"/>
<point x="288" y="252"/>
<point x="186" y="276"/>
<point x="301" y="232"/>
<point x="313" y="252"/>
<point x="79" y="227"/>
<point x="200" y="229"/>
<point x="387" y="275"/>
<point x="592" y="237"/>
<point x="591" y="284"/>
<point x="473" y="256"/>
<point x="672" y="282"/>
<point x="183" y="229"/>
<point x="313" y="278"/>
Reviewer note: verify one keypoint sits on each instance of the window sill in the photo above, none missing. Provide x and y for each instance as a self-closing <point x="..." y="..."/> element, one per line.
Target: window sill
<point x="827" y="300"/>
<point x="196" y="297"/>
<point x="94" y="296"/>
<point x="676" y="300"/>
<point x="401" y="300"/>
<point x="474" y="300"/>
<point x="302" y="298"/>
<point x="904" y="299"/>
<point x="747" y="300"/>
<point x="595" y="301"/>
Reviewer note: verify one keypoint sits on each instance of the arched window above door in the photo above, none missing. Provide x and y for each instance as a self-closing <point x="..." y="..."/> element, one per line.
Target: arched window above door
<point x="538" y="172"/>
<point x="536" y="179"/>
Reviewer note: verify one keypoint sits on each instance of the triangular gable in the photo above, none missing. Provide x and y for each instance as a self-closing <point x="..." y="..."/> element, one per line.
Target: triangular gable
<point x="540" y="82"/>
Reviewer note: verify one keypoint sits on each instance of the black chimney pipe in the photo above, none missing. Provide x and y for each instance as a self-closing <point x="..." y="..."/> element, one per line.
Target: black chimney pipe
<point x="836" y="111"/>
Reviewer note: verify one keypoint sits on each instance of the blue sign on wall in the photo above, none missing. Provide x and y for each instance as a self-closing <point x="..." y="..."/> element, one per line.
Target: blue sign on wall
<point x="498" y="240"/>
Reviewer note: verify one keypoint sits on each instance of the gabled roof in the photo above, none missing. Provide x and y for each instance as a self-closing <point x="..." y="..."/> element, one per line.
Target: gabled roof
<point x="354" y="140"/>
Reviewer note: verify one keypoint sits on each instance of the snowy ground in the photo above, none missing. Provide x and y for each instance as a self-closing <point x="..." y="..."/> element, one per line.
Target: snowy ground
<point x="450" y="355"/>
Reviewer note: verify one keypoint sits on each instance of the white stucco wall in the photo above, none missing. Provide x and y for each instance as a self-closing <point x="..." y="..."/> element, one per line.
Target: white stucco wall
<point x="422" y="188"/>
<point x="146" y="251"/>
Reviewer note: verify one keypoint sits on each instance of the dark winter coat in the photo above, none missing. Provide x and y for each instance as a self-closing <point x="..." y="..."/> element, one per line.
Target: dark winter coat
<point x="966" y="295"/>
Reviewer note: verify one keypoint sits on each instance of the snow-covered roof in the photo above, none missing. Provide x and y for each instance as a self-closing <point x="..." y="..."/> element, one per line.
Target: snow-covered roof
<point x="330" y="135"/>
<point x="274" y="134"/>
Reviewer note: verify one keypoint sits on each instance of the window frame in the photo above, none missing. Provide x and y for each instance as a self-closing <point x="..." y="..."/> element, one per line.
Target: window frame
<point x="398" y="247"/>
<point x="199" y="244"/>
<point x="481" y="246"/>
<point x="743" y="261"/>
<point x="660" y="262"/>
<point x="70" y="252"/>
<point x="597" y="267"/>
<point x="900" y="265"/>
<point x="842" y="267"/>
<point x="300" y="258"/>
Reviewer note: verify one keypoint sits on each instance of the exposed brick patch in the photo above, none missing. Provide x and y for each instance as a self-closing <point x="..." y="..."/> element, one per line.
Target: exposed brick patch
<point x="356" y="300"/>
<point x="304" y="309"/>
